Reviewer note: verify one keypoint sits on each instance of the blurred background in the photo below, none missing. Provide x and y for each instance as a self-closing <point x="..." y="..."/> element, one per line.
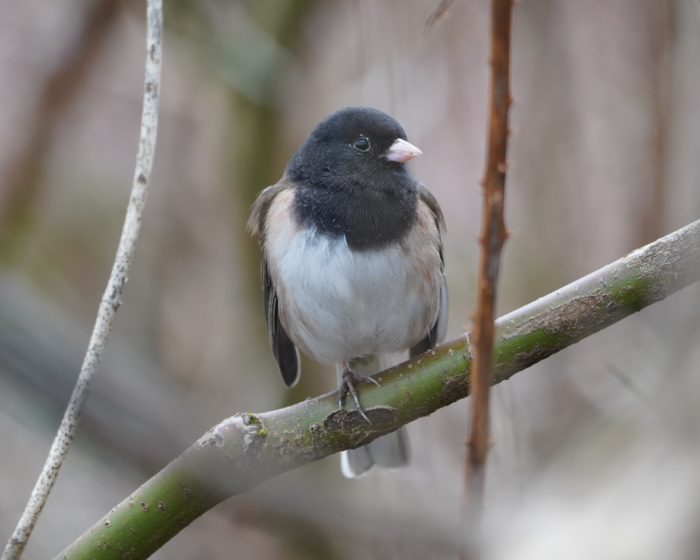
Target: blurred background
<point x="597" y="450"/>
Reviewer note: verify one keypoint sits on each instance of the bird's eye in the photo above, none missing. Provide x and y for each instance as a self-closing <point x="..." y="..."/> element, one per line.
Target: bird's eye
<point x="362" y="144"/>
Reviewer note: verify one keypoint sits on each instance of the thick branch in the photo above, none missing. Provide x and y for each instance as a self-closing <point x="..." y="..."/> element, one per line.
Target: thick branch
<point x="111" y="300"/>
<point x="247" y="449"/>
<point x="493" y="236"/>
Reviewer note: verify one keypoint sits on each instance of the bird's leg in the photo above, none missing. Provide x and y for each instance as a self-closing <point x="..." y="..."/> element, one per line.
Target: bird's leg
<point x="348" y="385"/>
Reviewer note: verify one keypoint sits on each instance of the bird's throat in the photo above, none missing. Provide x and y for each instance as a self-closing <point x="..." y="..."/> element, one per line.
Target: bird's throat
<point x="369" y="218"/>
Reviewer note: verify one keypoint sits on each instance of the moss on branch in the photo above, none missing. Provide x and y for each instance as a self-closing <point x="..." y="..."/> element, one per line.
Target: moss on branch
<point x="246" y="449"/>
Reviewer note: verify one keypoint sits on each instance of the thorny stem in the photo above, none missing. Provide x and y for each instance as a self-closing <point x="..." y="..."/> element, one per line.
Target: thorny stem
<point x="493" y="236"/>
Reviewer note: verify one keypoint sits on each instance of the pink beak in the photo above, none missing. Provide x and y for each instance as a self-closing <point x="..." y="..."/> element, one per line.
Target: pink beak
<point x="402" y="151"/>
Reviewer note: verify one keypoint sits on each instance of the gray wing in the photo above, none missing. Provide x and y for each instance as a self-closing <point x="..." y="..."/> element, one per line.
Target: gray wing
<point x="284" y="350"/>
<point x="437" y="332"/>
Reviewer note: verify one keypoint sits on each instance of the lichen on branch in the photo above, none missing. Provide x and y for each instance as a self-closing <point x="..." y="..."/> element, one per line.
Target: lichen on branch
<point x="247" y="448"/>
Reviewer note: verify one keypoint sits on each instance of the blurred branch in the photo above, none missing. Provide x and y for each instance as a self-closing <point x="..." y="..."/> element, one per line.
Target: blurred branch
<point x="493" y="236"/>
<point x="439" y="12"/>
<point x="253" y="48"/>
<point x="22" y="180"/>
<point x="111" y="300"/>
<point x="659" y="39"/>
<point x="247" y="449"/>
<point x="42" y="346"/>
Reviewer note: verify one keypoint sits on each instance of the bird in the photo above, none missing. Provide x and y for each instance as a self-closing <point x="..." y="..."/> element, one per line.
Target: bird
<point x="352" y="261"/>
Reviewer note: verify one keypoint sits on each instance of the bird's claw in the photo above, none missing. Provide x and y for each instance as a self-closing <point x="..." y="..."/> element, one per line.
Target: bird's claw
<point x="348" y="385"/>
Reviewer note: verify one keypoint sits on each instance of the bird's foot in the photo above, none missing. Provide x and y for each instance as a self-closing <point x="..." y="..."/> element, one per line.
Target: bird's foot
<point x="348" y="384"/>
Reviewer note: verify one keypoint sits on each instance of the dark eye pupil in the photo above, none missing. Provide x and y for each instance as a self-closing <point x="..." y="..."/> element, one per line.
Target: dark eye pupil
<point x="362" y="144"/>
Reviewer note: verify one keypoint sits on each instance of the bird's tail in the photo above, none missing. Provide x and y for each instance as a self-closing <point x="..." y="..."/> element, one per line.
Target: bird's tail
<point x="389" y="451"/>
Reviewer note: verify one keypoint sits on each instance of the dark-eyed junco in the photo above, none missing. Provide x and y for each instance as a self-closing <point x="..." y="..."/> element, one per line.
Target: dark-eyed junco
<point x="352" y="262"/>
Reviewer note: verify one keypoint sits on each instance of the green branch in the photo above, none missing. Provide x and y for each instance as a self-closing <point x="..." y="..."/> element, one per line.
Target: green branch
<point x="247" y="449"/>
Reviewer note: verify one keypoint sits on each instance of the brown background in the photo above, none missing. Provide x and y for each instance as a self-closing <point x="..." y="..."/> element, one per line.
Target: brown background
<point x="596" y="450"/>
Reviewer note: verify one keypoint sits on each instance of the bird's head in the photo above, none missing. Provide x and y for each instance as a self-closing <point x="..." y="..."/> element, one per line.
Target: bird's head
<point x="353" y="142"/>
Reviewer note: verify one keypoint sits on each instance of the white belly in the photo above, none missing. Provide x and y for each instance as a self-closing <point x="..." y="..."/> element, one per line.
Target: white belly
<point x="337" y="305"/>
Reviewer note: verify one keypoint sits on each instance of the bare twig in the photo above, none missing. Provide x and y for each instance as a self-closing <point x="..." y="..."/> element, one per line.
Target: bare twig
<point x="247" y="449"/>
<point x="492" y="238"/>
<point x="111" y="299"/>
